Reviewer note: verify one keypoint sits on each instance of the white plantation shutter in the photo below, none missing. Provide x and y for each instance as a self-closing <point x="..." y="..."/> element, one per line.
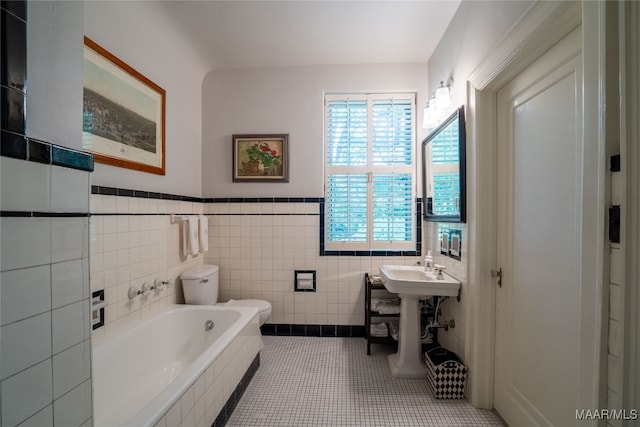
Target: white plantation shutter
<point x="392" y="132"/>
<point x="347" y="207"/>
<point x="392" y="207"/>
<point x="347" y="132"/>
<point x="370" y="172"/>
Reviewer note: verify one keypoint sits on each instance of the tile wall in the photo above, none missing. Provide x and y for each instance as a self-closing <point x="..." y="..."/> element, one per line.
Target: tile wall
<point x="616" y="310"/>
<point x="454" y="338"/>
<point x="259" y="245"/>
<point x="45" y="309"/>
<point x="133" y="241"/>
<point x="45" y="347"/>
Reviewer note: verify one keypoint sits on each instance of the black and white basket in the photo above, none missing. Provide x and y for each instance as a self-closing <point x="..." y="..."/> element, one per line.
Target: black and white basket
<point x="446" y="374"/>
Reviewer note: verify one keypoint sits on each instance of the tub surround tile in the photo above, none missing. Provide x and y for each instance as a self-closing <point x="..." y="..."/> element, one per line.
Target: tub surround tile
<point x="69" y="239"/>
<point x="71" y="368"/>
<point x="25" y="343"/>
<point x="68" y="326"/>
<point x="74" y="159"/>
<point x="13" y="145"/>
<point x="12" y="115"/>
<point x="69" y="190"/>
<point x="26" y="393"/>
<point x="13" y="70"/>
<point x="16" y="7"/>
<point x="25" y="186"/>
<point x="39" y="151"/>
<point x="44" y="418"/>
<point x="26" y="242"/>
<point x="25" y="293"/>
<point x="26" y="221"/>
<point x="74" y="408"/>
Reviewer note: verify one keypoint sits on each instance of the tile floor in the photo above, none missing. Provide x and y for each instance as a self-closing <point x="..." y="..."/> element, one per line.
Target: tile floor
<point x="308" y="381"/>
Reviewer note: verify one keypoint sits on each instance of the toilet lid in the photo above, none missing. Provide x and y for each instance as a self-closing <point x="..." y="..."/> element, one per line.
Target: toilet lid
<point x="260" y="304"/>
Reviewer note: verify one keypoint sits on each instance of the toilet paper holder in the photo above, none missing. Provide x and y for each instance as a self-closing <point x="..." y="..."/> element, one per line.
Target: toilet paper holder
<point x="305" y="281"/>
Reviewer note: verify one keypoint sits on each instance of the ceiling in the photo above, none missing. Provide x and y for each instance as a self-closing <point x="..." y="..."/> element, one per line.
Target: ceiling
<point x="248" y="34"/>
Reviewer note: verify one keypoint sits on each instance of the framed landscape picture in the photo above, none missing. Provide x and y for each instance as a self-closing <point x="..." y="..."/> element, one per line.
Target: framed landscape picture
<point x="261" y="158"/>
<point x="123" y="121"/>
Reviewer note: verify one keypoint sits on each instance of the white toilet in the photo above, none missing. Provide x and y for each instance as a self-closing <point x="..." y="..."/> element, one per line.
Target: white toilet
<point x="200" y="286"/>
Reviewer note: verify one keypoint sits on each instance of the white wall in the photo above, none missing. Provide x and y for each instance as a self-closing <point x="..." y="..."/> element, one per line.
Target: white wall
<point x="143" y="36"/>
<point x="474" y="30"/>
<point x="286" y="100"/>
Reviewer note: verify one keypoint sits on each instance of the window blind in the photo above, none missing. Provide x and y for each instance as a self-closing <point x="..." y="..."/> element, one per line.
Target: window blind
<point x="369" y="170"/>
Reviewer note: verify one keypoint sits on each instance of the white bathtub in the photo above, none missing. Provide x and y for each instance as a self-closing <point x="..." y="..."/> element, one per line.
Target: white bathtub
<point x="158" y="368"/>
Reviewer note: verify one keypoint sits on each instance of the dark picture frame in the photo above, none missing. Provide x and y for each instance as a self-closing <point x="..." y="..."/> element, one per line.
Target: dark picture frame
<point x="261" y="158"/>
<point x="123" y="113"/>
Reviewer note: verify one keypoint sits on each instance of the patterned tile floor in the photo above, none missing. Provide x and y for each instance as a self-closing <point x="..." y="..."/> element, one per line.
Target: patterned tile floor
<point x="308" y="381"/>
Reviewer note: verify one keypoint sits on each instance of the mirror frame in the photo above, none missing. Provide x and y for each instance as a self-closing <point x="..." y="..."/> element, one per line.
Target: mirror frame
<point x="427" y="208"/>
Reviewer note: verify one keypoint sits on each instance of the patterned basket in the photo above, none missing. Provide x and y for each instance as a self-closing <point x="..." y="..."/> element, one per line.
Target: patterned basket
<point x="446" y="374"/>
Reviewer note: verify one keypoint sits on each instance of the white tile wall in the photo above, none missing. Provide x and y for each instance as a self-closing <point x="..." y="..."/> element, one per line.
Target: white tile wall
<point x="259" y="253"/>
<point x="132" y="248"/>
<point x="25" y="292"/>
<point x="25" y="343"/>
<point x="44" y="295"/>
<point x="454" y="338"/>
<point x="26" y="242"/>
<point x="26" y="393"/>
<point x="30" y="185"/>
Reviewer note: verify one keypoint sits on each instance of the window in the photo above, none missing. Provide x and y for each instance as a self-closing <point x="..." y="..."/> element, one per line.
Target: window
<point x="370" y="172"/>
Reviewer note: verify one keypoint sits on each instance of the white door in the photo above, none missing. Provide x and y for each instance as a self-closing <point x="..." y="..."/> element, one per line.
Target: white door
<point x="539" y="231"/>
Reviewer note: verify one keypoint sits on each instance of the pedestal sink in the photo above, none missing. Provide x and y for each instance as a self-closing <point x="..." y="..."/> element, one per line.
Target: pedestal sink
<point x="413" y="283"/>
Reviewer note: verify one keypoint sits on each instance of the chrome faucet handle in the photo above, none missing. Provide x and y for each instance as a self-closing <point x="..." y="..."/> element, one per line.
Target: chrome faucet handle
<point x="133" y="292"/>
<point x="439" y="268"/>
<point x="146" y="289"/>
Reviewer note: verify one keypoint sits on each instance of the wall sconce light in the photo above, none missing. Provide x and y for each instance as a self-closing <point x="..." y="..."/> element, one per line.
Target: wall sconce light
<point x="438" y="106"/>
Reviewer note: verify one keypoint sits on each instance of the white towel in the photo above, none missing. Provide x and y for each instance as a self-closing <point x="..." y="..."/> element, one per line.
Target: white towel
<point x="194" y="246"/>
<point x="185" y="238"/>
<point x="379" y="330"/>
<point x="204" y="233"/>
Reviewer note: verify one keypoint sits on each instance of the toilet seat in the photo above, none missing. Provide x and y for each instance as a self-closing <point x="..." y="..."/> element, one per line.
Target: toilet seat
<point x="262" y="305"/>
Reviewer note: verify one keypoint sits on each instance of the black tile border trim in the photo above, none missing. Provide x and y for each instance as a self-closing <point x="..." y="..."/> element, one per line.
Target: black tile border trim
<point x="19" y="147"/>
<point x="332" y="331"/>
<point x="30" y="214"/>
<point x="111" y="191"/>
<point x="16" y="8"/>
<point x="230" y="406"/>
<point x="416" y="252"/>
<point x="125" y="192"/>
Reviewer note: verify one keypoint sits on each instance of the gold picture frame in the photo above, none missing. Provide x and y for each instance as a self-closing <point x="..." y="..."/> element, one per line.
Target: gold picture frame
<point x="123" y="113"/>
<point x="261" y="158"/>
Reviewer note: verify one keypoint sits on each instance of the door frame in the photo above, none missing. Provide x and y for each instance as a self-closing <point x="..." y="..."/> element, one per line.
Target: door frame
<point x="629" y="43"/>
<point x="544" y="24"/>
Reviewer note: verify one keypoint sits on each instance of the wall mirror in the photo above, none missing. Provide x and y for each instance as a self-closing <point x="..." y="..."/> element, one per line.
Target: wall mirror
<point x="443" y="171"/>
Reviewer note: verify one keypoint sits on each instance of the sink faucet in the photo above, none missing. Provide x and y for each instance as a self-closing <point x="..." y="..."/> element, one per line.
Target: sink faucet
<point x="428" y="262"/>
<point x="438" y="268"/>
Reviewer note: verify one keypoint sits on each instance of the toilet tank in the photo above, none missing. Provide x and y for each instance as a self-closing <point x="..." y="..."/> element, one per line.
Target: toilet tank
<point x="200" y="285"/>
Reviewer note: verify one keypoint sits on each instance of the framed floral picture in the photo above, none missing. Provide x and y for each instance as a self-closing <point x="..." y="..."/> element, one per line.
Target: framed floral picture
<point x="261" y="158"/>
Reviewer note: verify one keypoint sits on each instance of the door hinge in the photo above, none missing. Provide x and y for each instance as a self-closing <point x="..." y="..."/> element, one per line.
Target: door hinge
<point x="497" y="273"/>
